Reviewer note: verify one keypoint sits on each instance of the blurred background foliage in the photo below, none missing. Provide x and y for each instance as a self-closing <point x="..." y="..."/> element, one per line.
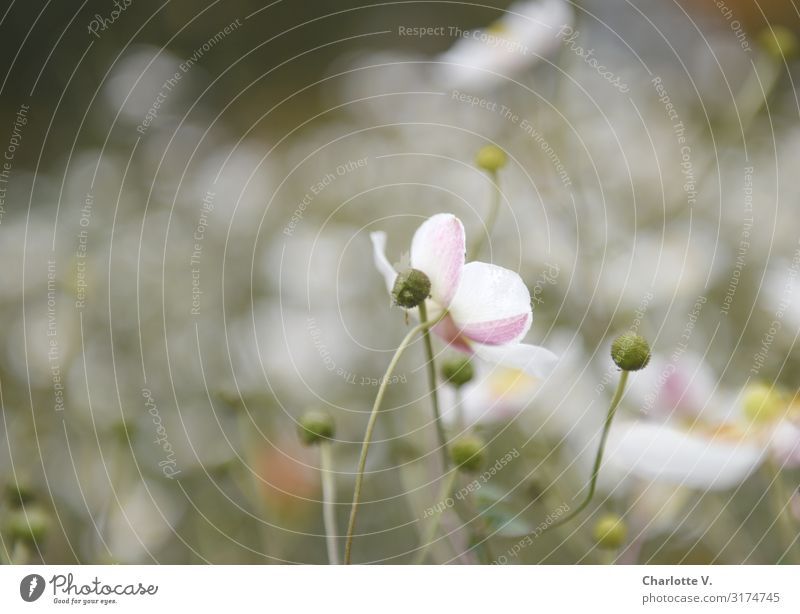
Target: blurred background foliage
<point x="294" y="320"/>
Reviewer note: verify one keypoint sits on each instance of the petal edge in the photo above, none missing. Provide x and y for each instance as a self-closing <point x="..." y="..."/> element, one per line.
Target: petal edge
<point x="438" y="249"/>
<point x="381" y="262"/>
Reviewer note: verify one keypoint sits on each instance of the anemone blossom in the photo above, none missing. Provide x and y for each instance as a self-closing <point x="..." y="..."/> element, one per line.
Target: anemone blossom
<point x="487" y="308"/>
<point x="527" y="31"/>
<point x="699" y="438"/>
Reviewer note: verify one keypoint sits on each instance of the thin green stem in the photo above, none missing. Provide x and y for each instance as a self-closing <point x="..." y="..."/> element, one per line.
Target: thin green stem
<point x="248" y="482"/>
<point x="612" y="409"/>
<point x="781" y="500"/>
<point x="20" y="553"/>
<point x="461" y="420"/>
<point x="491" y="218"/>
<point x="753" y="96"/>
<point x="480" y="530"/>
<point x="362" y="462"/>
<point x="328" y="501"/>
<point x="437" y="416"/>
<point x="5" y="555"/>
<point x="433" y="525"/>
<point x="608" y="557"/>
<point x="411" y="475"/>
<point x="481" y="539"/>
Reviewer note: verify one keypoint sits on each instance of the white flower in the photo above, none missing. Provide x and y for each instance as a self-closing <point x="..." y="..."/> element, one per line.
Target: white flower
<point x="495" y="394"/>
<point x="488" y="308"/>
<point x="527" y="31"/>
<point x="713" y="446"/>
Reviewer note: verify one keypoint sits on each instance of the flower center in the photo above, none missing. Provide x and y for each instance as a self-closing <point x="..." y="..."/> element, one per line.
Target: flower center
<point x="726" y="431"/>
<point x="763" y="403"/>
<point x="505" y="382"/>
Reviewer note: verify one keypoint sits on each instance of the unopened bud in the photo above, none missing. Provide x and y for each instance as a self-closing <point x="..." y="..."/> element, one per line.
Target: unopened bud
<point x="18" y="494"/>
<point x="315" y="426"/>
<point x="30" y="524"/>
<point x="630" y="352"/>
<point x="411" y="288"/>
<point x="780" y="42"/>
<point x="610" y="532"/>
<point x="468" y="453"/>
<point x="458" y="371"/>
<point x="491" y="158"/>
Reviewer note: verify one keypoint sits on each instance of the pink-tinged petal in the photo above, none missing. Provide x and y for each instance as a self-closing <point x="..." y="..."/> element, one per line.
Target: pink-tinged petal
<point x="450" y="334"/>
<point x="493" y="303"/>
<point x="663" y="453"/>
<point x="532" y="359"/>
<point x="685" y="388"/>
<point x="498" y="332"/>
<point x="438" y="250"/>
<point x="381" y="262"/>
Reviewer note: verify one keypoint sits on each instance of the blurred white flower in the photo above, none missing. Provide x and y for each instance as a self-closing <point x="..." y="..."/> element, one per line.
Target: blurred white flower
<point x="716" y="445"/>
<point x="683" y="389"/>
<point x="781" y="290"/>
<point x="488" y="307"/>
<point x="527" y="31"/>
<point x="495" y="394"/>
<point x="144" y="519"/>
<point x="138" y="80"/>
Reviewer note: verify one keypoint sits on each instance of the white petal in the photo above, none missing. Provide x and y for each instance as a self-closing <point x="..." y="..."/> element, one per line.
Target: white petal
<point x="495" y="394"/>
<point x="686" y="387"/>
<point x="489" y="295"/>
<point x="785" y="443"/>
<point x="532" y="359"/>
<point x="381" y="263"/>
<point x="527" y="31"/>
<point x="660" y="452"/>
<point x="438" y="250"/>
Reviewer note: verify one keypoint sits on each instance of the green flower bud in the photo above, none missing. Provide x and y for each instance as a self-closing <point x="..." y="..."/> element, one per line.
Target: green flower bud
<point x="18" y="494"/>
<point x="314" y="426"/>
<point x="763" y="403"/>
<point x="779" y="42"/>
<point x="458" y="371"/>
<point x="491" y="158"/>
<point x="411" y="288"/>
<point x="30" y="524"/>
<point x="610" y="532"/>
<point x="468" y="453"/>
<point x="630" y="352"/>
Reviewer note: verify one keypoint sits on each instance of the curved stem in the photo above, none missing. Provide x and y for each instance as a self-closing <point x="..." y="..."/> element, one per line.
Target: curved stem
<point x="328" y="499"/>
<point x="362" y="462"/>
<point x="437" y="415"/>
<point x="491" y="218"/>
<point x="433" y="525"/>
<point x="612" y="409"/>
